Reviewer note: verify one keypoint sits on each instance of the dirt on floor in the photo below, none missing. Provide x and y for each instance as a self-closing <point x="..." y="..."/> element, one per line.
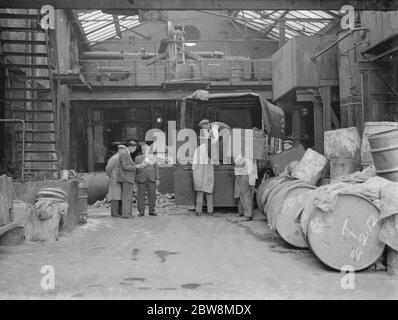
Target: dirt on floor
<point x="177" y="255"/>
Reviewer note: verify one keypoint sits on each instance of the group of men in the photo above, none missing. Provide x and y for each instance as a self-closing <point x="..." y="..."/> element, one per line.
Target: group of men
<point x="203" y="173"/>
<point x="133" y="165"/>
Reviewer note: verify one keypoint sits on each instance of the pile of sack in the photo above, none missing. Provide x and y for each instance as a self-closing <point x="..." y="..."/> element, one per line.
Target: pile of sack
<point x="45" y="216"/>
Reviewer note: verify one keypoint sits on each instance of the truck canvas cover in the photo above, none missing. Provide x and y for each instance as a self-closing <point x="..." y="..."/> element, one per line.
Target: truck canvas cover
<point x="273" y="116"/>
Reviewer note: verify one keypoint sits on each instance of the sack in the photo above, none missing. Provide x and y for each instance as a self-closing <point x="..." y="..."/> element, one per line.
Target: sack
<point x="44" y="219"/>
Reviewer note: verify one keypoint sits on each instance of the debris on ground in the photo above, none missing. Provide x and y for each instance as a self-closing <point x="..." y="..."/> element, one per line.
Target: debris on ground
<point x="163" y="200"/>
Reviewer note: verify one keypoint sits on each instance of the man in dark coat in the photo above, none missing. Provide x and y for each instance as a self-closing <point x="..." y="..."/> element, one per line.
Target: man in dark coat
<point x="147" y="178"/>
<point x="126" y="176"/>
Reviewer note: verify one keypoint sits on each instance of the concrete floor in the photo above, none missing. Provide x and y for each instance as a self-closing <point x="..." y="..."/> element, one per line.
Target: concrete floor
<point x="178" y="256"/>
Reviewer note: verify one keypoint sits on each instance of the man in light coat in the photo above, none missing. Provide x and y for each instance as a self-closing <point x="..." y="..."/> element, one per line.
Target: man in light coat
<point x="115" y="187"/>
<point x="245" y="180"/>
<point x="203" y="171"/>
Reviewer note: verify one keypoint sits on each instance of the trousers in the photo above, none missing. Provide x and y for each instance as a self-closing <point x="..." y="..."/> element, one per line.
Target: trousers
<point x="142" y="188"/>
<point x="245" y="193"/>
<point x="127" y="198"/>
<point x="199" y="201"/>
<point x="116" y="208"/>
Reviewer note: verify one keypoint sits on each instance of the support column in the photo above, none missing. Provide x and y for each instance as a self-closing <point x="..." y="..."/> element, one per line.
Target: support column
<point x="282" y="36"/>
<point x="296" y="126"/>
<point x="327" y="107"/>
<point x="318" y="123"/>
<point x="366" y="110"/>
<point x="90" y="141"/>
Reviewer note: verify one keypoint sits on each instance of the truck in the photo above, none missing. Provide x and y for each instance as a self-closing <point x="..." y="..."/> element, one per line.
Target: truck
<point x="243" y="110"/>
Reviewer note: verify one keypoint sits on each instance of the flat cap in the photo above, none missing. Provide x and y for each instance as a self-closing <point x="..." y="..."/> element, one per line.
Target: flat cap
<point x="203" y="122"/>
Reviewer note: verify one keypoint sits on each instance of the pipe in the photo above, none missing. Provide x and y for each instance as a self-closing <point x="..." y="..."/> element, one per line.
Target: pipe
<point x="313" y="58"/>
<point x="209" y="54"/>
<point x="107" y="55"/>
<point x="23" y="144"/>
<point x="354" y="46"/>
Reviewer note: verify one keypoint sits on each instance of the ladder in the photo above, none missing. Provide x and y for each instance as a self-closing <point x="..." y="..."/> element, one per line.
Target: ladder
<point x="30" y="92"/>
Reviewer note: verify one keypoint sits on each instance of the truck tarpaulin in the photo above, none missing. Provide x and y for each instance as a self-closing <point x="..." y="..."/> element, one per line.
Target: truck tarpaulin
<point x="273" y="116"/>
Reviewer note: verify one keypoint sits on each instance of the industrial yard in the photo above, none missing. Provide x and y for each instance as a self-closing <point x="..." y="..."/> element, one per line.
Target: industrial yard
<point x="200" y="150"/>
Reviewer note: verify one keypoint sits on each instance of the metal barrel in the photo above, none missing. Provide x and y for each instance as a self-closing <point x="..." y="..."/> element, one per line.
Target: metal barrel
<point x="260" y="192"/>
<point x="384" y="149"/>
<point x="370" y="129"/>
<point x="341" y="166"/>
<point x="97" y="185"/>
<point x="288" y="220"/>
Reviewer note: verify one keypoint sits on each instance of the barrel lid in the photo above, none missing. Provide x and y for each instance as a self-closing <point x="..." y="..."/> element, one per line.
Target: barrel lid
<point x="54" y="193"/>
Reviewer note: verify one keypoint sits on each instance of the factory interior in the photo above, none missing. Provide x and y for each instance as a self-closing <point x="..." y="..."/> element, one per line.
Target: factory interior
<point x="315" y="83"/>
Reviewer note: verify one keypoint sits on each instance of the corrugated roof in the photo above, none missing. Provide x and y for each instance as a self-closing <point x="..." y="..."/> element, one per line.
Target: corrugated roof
<point x="99" y="26"/>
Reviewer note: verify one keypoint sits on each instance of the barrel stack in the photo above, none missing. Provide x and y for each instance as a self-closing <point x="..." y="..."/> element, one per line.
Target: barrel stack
<point x="384" y="150"/>
<point x="341" y="222"/>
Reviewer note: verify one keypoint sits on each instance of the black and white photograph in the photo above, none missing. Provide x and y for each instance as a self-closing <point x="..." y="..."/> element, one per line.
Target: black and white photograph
<point x="219" y="152"/>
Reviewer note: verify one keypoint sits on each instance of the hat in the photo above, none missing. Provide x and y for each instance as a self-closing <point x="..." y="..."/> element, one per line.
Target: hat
<point x="203" y="122"/>
<point x="132" y="143"/>
<point x="121" y="146"/>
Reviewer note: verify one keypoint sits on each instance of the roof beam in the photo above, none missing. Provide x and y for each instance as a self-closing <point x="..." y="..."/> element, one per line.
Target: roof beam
<point x="269" y="28"/>
<point x="136" y="32"/>
<point x="117" y="25"/>
<point x="203" y="4"/>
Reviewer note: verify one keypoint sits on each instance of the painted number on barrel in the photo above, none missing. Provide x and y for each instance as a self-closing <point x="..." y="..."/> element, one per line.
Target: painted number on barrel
<point x="317" y="226"/>
<point x="362" y="238"/>
<point x="290" y="202"/>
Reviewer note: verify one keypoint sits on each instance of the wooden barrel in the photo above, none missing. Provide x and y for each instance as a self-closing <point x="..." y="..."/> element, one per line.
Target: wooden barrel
<point x="341" y="166"/>
<point x="384" y="149"/>
<point x="288" y="221"/>
<point x="348" y="235"/>
<point x="373" y="128"/>
<point x="97" y="185"/>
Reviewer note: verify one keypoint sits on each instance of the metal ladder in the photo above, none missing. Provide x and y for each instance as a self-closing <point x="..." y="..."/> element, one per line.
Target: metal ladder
<point x="30" y="92"/>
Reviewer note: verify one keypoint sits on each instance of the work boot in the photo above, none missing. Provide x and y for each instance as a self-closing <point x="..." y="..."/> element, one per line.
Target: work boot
<point x="115" y="208"/>
<point x="141" y="214"/>
<point x="120" y="208"/>
<point x="153" y="214"/>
